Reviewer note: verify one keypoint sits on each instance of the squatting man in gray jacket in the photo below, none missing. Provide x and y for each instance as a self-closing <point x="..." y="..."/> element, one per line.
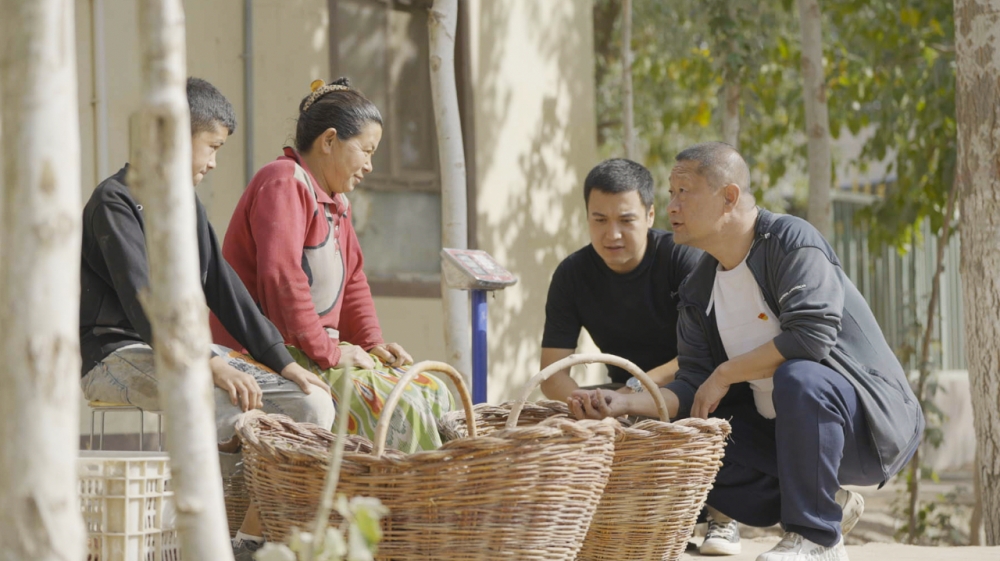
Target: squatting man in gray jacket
<point x="773" y="336"/>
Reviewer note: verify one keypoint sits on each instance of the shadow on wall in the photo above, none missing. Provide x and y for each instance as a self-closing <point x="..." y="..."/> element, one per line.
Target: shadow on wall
<point x="536" y="112"/>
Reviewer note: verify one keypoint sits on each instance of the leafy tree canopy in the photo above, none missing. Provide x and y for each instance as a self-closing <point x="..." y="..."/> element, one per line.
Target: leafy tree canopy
<point x="890" y="79"/>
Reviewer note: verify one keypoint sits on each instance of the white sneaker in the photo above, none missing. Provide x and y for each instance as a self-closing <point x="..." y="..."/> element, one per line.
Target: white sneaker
<point x="721" y="539"/>
<point x="853" y="504"/>
<point x="793" y="547"/>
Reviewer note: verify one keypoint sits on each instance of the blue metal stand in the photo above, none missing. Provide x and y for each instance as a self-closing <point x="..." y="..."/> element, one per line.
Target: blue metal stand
<point x="479" y="346"/>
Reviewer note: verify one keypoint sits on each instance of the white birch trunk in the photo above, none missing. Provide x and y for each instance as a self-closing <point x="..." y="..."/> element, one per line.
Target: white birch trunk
<point x="977" y="49"/>
<point x="731" y="113"/>
<point x="628" y="110"/>
<point x="175" y="304"/>
<point x="820" y="211"/>
<point x="442" y="23"/>
<point x="39" y="283"/>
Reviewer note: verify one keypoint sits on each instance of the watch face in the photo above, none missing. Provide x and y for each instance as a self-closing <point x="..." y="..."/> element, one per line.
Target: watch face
<point x="634" y="384"/>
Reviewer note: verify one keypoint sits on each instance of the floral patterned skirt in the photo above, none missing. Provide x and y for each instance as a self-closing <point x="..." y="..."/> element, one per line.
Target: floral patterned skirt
<point x="414" y="422"/>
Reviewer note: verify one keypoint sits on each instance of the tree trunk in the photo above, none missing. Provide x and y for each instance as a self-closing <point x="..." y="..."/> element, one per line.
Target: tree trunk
<point x="442" y="24"/>
<point x="977" y="53"/>
<point x="39" y="282"/>
<point x="976" y="521"/>
<point x="820" y="212"/>
<point x="175" y="303"/>
<point x="628" y="112"/>
<point x="731" y="113"/>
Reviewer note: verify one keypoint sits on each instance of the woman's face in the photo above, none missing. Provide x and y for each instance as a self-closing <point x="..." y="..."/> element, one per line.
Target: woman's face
<point x="348" y="161"/>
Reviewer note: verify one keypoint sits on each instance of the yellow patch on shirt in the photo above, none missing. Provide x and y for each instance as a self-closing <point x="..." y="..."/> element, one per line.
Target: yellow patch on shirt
<point x="762" y="316"/>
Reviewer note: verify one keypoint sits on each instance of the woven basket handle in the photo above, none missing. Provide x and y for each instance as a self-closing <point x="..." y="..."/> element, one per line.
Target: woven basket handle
<point x="382" y="429"/>
<point x="575" y="359"/>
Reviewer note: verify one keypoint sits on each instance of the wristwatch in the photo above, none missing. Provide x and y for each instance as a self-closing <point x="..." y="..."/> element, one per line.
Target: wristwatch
<point x="635" y="385"/>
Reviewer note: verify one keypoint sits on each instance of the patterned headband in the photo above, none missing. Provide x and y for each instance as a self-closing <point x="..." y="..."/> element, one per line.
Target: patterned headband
<point x="319" y="89"/>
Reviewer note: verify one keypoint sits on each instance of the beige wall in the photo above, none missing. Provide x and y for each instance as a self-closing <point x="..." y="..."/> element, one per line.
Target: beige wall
<point x="290" y="51"/>
<point x="535" y="125"/>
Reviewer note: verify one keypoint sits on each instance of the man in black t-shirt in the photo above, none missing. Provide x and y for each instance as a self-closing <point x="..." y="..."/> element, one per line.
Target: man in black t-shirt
<point x="622" y="287"/>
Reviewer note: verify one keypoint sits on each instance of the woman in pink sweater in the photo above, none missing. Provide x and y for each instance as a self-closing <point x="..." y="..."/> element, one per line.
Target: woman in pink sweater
<point x="292" y="242"/>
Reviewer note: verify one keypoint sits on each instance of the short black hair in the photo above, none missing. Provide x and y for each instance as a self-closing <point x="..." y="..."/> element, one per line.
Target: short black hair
<point x="619" y="175"/>
<point x="719" y="163"/>
<point x="209" y="108"/>
<point x="345" y="110"/>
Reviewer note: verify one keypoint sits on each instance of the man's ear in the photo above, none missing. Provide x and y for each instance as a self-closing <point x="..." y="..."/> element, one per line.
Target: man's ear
<point x="651" y="216"/>
<point x="732" y="193"/>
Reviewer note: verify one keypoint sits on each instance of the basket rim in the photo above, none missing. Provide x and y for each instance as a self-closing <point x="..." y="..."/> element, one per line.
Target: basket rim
<point x="589" y="358"/>
<point x="687" y="426"/>
<point x="385" y="417"/>
<point x="249" y="429"/>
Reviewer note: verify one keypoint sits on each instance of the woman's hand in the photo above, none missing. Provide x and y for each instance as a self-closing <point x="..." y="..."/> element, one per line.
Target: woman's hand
<point x="304" y="378"/>
<point x="392" y="354"/>
<point x="244" y="391"/>
<point x="355" y="355"/>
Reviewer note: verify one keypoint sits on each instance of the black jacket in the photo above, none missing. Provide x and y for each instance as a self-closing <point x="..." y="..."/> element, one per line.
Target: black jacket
<point x="115" y="268"/>
<point x="823" y="318"/>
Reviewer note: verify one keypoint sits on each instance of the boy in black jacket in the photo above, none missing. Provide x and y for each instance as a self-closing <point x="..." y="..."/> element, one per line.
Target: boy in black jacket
<point x="115" y="335"/>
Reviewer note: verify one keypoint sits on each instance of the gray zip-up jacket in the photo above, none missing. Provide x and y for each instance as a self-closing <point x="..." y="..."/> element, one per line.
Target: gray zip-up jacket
<point x="823" y="318"/>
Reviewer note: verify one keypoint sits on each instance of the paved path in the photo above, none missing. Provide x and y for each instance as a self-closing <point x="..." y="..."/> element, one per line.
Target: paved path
<point x="869" y="552"/>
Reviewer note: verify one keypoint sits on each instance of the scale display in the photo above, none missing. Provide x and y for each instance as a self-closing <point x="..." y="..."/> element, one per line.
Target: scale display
<point x="474" y="269"/>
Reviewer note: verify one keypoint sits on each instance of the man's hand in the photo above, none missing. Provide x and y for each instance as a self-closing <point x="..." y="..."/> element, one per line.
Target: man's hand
<point x="709" y="395"/>
<point x="357" y="356"/>
<point x="392" y="354"/>
<point x="595" y="404"/>
<point x="244" y="392"/>
<point x="304" y="378"/>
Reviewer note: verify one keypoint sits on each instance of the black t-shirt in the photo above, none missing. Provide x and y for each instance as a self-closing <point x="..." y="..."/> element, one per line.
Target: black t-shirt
<point x="632" y="315"/>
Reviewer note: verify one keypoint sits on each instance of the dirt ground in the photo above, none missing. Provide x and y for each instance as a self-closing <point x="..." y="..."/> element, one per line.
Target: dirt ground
<point x="873" y="539"/>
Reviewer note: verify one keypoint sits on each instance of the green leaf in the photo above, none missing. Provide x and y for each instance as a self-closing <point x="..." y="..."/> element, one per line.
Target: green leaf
<point x="704" y="114"/>
<point x="358" y="546"/>
<point x="334" y="548"/>
<point x="368" y="523"/>
<point x="936" y="26"/>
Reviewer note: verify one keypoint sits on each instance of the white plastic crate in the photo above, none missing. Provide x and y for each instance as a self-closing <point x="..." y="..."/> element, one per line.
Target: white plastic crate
<point x="127" y="506"/>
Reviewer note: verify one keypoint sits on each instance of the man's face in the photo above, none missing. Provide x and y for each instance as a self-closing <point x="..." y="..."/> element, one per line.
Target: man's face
<point x="618" y="226"/>
<point x="204" y="145"/>
<point x="696" y="209"/>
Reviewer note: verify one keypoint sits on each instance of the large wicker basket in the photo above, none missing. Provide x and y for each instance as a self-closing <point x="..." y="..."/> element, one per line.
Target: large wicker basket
<point x="234" y="490"/>
<point x="660" y="477"/>
<point x="524" y="493"/>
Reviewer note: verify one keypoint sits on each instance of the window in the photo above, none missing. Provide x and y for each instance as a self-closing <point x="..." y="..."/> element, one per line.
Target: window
<point x="382" y="46"/>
